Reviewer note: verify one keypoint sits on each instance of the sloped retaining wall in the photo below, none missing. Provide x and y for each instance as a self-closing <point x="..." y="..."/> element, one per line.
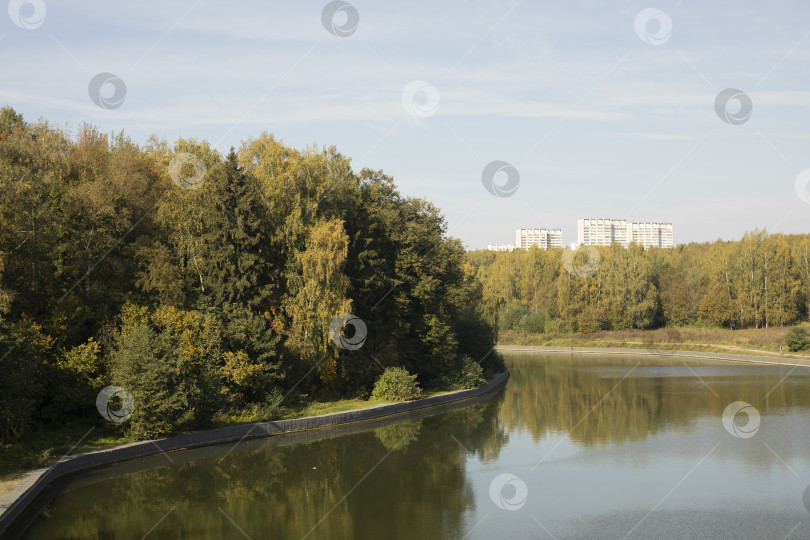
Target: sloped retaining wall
<point x="777" y="360"/>
<point x="15" y="503"/>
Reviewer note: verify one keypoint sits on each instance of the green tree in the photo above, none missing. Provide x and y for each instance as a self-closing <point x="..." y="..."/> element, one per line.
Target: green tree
<point x="169" y="362"/>
<point x="797" y="339"/>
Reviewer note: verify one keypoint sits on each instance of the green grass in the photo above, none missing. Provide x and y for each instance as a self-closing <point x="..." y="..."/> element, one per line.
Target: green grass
<point x="38" y="449"/>
<point x="750" y="341"/>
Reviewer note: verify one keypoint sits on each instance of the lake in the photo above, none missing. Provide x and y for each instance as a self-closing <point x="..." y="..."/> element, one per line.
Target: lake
<point x="573" y="447"/>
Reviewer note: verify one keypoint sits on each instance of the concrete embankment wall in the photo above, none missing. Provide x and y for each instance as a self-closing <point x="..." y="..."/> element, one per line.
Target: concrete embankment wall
<point x="17" y="501"/>
<point x="776" y="360"/>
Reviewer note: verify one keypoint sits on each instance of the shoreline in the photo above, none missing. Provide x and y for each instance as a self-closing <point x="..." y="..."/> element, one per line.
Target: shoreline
<point x="630" y="351"/>
<point x="16" y="502"/>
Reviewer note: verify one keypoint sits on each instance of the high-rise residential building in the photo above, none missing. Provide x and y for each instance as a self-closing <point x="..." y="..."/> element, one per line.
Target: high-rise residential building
<point x="501" y="247"/>
<point x="604" y="232"/>
<point x="651" y="234"/>
<point x="542" y="238"/>
<point x="601" y="232"/>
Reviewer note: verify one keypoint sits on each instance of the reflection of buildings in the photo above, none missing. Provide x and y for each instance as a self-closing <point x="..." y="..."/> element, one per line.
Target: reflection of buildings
<point x="604" y="232"/>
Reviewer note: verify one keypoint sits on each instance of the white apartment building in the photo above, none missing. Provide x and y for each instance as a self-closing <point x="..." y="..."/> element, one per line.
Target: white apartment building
<point x="604" y="232"/>
<point x="501" y="247"/>
<point x="651" y="234"/>
<point x="542" y="238"/>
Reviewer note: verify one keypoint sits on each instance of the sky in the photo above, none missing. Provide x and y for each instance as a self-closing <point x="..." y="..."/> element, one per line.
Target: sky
<point x="593" y="109"/>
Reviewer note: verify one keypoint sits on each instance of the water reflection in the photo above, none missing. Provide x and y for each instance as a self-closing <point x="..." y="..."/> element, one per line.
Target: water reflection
<point x="606" y="447"/>
<point x="408" y="477"/>
<point x="614" y="399"/>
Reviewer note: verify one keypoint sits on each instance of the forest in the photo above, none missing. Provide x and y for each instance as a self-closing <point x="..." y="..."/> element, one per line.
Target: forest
<point x="207" y="284"/>
<point x="760" y="281"/>
<point x="216" y="287"/>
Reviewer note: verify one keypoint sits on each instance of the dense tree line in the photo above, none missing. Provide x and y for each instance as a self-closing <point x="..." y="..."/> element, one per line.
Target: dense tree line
<point x="759" y="281"/>
<point x="203" y="283"/>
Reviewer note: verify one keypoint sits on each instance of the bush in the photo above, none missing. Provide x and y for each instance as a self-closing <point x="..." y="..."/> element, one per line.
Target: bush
<point x="469" y="374"/>
<point x="396" y="384"/>
<point x="534" y="322"/>
<point x="511" y="316"/>
<point x="797" y="339"/>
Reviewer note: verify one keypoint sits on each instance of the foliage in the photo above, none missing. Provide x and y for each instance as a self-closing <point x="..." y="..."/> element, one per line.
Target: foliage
<point x="23" y="386"/>
<point x="797" y="339"/>
<point x="470" y="375"/>
<point x="396" y="384"/>
<point x="511" y="316"/>
<point x="210" y="299"/>
<point x="534" y="322"/>
<point x="762" y="280"/>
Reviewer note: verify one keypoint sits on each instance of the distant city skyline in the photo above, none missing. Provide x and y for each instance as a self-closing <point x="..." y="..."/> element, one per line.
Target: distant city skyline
<point x="593" y="231"/>
<point x="587" y="108"/>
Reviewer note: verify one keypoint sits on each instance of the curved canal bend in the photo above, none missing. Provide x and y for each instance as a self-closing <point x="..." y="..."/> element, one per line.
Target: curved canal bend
<point x="574" y="447"/>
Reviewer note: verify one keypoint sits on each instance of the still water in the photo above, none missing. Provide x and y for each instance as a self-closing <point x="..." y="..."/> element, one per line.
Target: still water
<point x="574" y="447"/>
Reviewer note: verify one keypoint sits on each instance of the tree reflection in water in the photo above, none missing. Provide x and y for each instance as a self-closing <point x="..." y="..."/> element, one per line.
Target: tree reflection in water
<point x="422" y="478"/>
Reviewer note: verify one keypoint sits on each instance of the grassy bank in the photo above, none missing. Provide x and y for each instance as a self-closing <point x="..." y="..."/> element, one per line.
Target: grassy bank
<point x="754" y="341"/>
<point x="42" y="447"/>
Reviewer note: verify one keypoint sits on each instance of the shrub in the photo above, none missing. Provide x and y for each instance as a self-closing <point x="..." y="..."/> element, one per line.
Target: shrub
<point x="396" y="384"/>
<point x="511" y="316"/>
<point x="469" y="374"/>
<point x="534" y="322"/>
<point x="797" y="339"/>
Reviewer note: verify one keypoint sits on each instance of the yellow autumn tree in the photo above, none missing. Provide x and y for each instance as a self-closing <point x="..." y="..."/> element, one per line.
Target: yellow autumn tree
<point x="317" y="294"/>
